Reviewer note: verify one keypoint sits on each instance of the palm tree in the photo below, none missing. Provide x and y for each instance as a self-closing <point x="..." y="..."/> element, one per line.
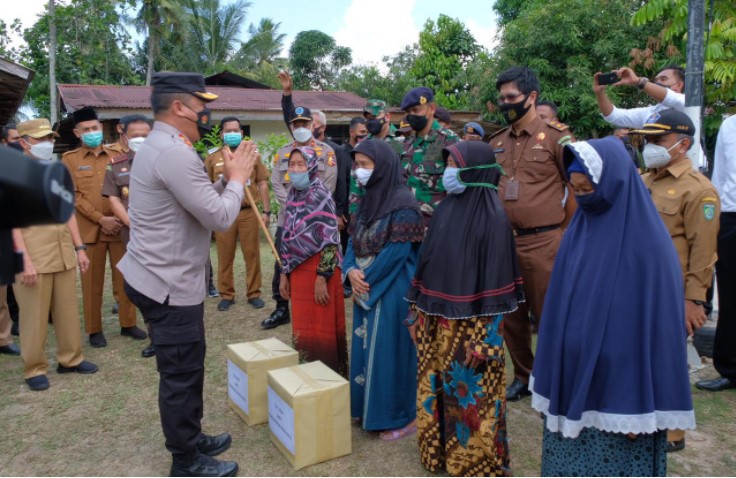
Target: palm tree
<point x="213" y="29"/>
<point x="265" y="43"/>
<point x="154" y="18"/>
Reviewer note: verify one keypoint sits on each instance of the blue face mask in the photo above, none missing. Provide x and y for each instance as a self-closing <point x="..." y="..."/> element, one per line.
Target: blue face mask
<point x="451" y="181"/>
<point x="454" y="185"/>
<point x="232" y="139"/>
<point x="300" y="180"/>
<point x="92" y="139"/>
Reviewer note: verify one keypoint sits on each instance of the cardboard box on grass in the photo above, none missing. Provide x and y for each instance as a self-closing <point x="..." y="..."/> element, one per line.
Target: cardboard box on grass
<point x="247" y="368"/>
<point x="309" y="413"/>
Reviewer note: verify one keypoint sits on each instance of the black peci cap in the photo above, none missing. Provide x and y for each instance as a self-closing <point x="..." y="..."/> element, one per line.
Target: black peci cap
<point x="174" y="82"/>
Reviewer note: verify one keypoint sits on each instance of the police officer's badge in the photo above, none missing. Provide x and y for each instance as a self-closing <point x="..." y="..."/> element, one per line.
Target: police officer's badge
<point x="422" y="100"/>
<point x="299" y="110"/>
<point x="709" y="211"/>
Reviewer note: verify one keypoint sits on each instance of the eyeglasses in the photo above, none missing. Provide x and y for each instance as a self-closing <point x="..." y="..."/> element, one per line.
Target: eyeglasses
<point x="508" y="98"/>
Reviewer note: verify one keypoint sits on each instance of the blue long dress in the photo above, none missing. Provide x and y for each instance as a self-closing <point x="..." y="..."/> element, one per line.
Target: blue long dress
<point x="383" y="359"/>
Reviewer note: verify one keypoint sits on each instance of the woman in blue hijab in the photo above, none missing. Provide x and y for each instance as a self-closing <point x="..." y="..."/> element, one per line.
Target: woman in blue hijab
<point x="611" y="369"/>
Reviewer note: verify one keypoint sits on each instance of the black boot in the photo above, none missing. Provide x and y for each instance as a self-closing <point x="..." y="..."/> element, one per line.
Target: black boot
<point x="278" y="317"/>
<point x="203" y="465"/>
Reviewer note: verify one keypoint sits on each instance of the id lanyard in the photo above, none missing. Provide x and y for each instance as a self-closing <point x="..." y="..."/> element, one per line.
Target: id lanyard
<point x="484" y="166"/>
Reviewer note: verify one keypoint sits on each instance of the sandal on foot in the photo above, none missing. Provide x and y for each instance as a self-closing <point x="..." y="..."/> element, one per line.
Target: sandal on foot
<point x="392" y="435"/>
<point x="673" y="446"/>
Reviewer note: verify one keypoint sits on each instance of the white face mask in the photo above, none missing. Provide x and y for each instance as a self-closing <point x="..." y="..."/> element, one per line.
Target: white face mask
<point x="302" y="135"/>
<point x="656" y="156"/>
<point x="363" y="175"/>
<point x="42" y="150"/>
<point x="135" y="143"/>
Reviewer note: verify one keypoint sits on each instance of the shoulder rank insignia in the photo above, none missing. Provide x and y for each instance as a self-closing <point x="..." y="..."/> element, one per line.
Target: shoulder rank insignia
<point x="185" y="140"/>
<point x="557" y="125"/>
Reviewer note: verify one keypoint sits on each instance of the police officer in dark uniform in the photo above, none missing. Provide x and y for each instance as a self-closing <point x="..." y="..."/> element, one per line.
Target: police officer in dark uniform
<point x="173" y="209"/>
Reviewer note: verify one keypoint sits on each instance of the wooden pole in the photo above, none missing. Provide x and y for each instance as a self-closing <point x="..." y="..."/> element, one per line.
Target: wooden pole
<point x="263" y="225"/>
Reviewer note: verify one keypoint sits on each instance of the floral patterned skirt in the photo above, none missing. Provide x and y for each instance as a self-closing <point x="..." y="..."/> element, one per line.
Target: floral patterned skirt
<point x="461" y="411"/>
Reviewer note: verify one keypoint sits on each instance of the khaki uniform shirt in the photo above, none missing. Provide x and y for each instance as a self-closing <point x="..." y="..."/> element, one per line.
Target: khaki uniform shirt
<point x="533" y="160"/>
<point x="117" y="184"/>
<point x="215" y="164"/>
<point x="50" y="248"/>
<point x="690" y="208"/>
<point x="280" y="182"/>
<point x="173" y="209"/>
<point x="88" y="171"/>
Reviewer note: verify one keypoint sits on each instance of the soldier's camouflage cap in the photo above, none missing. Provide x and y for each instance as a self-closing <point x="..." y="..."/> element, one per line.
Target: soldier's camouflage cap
<point x="375" y="107"/>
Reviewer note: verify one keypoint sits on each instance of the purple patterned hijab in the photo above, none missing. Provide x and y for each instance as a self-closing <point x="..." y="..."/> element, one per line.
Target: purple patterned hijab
<point x="310" y="222"/>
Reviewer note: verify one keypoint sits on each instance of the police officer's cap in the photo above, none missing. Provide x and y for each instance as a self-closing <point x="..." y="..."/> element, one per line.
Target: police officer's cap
<point x="192" y="83"/>
<point x="375" y="107"/>
<point x="84" y="114"/>
<point x="443" y="115"/>
<point x="300" y="113"/>
<point x="666" y="122"/>
<point x="473" y="128"/>
<point x="417" y="96"/>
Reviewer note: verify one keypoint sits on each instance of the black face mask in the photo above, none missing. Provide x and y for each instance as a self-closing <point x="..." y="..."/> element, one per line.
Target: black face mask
<point x="360" y="137"/>
<point x="203" y="121"/>
<point x="375" y="126"/>
<point x="317" y="132"/>
<point x="513" y="112"/>
<point x="15" y="145"/>
<point x="417" y="122"/>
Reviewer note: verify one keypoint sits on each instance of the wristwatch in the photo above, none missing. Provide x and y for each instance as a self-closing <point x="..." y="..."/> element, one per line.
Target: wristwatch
<point x="82" y="247"/>
<point x="642" y="82"/>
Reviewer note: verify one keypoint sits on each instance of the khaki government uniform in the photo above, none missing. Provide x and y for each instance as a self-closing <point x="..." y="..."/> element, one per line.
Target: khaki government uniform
<point x="88" y="171"/>
<point x="690" y="209"/>
<point x="117" y="184"/>
<point x="117" y="148"/>
<point x="245" y="227"/>
<point x="51" y="250"/>
<point x="5" y="320"/>
<point x="532" y="161"/>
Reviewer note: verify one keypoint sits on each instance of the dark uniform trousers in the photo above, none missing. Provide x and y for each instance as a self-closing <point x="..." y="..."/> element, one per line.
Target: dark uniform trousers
<point x="277" y="272"/>
<point x="178" y="334"/>
<point x="536" y="254"/>
<point x="724" y="350"/>
<point x="93" y="282"/>
<point x="246" y="228"/>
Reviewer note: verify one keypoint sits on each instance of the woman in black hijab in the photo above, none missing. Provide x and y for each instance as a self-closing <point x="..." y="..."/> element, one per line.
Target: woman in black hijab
<point x="466" y="279"/>
<point x="380" y="262"/>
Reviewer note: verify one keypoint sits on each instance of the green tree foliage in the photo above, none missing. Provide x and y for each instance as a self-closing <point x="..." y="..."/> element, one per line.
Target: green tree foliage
<point x="214" y="28"/>
<point x="7" y="50"/>
<point x="316" y="60"/>
<point x="446" y="48"/>
<point x="369" y="81"/>
<point x="92" y="48"/>
<point x="158" y="19"/>
<point x="258" y="58"/>
<point x="720" y="53"/>
<point x="566" y="43"/>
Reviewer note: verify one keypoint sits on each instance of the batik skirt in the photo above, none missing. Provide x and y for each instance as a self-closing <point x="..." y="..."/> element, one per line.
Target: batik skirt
<point x="461" y="411"/>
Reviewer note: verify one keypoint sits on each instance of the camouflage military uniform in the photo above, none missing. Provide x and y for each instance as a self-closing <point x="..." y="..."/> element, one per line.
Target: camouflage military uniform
<point x="424" y="166"/>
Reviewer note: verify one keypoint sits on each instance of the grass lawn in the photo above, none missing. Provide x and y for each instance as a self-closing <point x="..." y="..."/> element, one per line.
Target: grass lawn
<point x="108" y="424"/>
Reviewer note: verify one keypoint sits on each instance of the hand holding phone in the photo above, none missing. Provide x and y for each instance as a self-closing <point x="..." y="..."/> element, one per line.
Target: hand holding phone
<point x="608" y="78"/>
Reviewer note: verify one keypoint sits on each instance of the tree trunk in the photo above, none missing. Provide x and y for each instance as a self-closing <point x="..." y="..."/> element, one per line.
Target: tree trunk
<point x="151" y="54"/>
<point x="52" y="62"/>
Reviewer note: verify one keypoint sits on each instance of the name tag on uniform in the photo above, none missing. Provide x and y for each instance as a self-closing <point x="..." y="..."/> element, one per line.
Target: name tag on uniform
<point x="512" y="190"/>
<point x="84" y="168"/>
<point x="124" y="174"/>
<point x="219" y="164"/>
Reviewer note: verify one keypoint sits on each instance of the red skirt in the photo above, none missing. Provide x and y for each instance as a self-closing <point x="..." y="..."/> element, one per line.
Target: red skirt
<point x="319" y="330"/>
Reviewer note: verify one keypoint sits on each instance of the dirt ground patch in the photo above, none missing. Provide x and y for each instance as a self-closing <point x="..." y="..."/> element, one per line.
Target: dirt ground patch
<point x="107" y="424"/>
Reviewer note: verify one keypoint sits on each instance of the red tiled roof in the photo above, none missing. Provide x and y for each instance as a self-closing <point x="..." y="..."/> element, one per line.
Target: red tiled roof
<point x="231" y="98"/>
